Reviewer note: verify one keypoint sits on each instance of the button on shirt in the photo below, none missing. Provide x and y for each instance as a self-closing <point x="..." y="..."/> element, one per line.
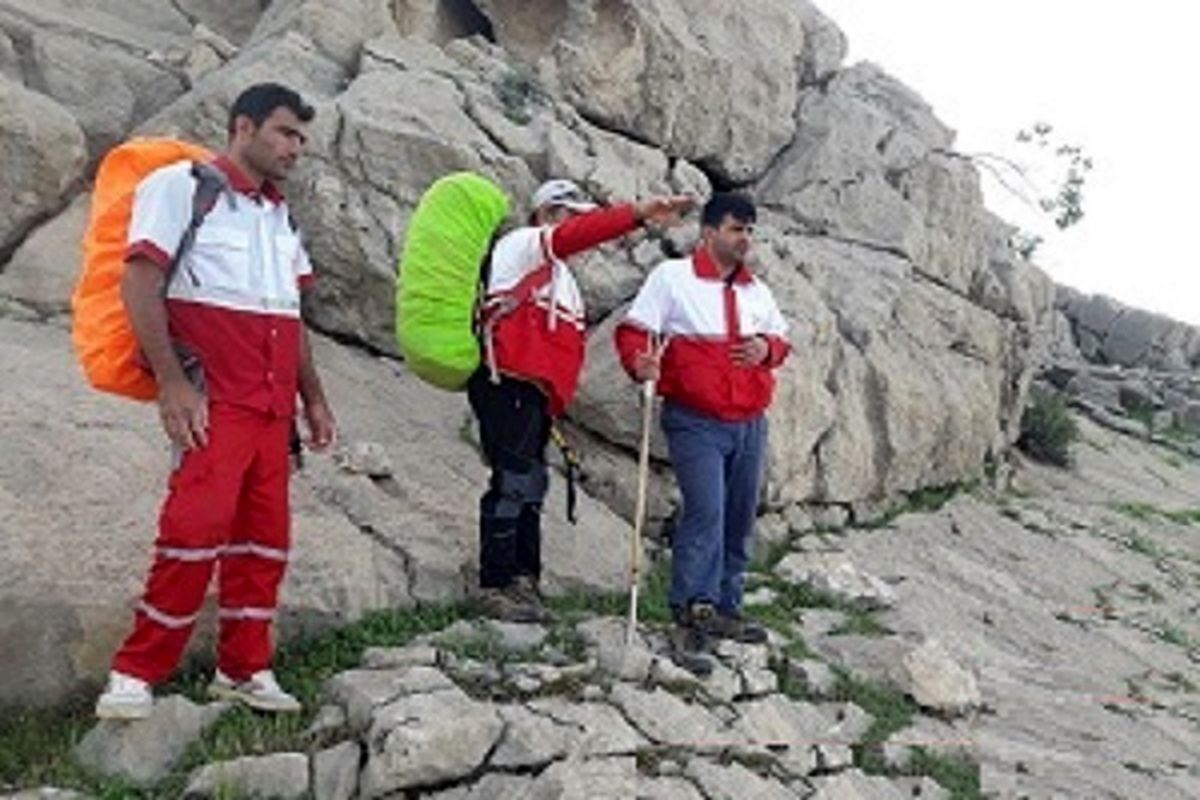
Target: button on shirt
<point x="235" y="299"/>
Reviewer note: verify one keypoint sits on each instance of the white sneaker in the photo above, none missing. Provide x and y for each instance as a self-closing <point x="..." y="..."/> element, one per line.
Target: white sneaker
<point x="126" y="697"/>
<point x="261" y="691"/>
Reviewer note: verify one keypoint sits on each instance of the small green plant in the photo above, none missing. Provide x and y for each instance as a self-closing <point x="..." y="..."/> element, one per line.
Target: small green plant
<point x="1180" y="682"/>
<point x="861" y="623"/>
<point x="518" y="90"/>
<point x="1048" y="430"/>
<point x="1181" y="432"/>
<point x="1187" y="516"/>
<point x="1143" y="512"/>
<point x="1144" y="545"/>
<point x="891" y="709"/>
<point x="956" y="774"/>
<point x="922" y="501"/>
<point x="1148" y="592"/>
<point x="1173" y="634"/>
<point x="1144" y="415"/>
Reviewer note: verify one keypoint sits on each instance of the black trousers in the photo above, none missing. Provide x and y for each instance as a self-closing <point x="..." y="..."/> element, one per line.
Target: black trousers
<point x="514" y="428"/>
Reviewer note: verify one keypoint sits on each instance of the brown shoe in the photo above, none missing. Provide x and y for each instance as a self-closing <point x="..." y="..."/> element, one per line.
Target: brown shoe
<point x="691" y="644"/>
<point x="737" y="628"/>
<point x="504" y="605"/>
<point x="525" y="588"/>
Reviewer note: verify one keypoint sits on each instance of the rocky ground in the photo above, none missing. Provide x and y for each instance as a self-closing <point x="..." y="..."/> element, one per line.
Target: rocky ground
<point x="1036" y="641"/>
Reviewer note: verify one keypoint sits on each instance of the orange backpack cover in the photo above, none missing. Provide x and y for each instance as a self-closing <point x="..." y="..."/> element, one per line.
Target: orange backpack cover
<point x="100" y="328"/>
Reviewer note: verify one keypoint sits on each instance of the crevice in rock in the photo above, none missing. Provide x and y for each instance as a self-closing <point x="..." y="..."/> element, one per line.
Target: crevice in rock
<point x="465" y="19"/>
<point x="895" y="252"/>
<point x="608" y="126"/>
<point x="471" y="111"/>
<point x="330" y="497"/>
<point x="31" y="227"/>
<point x="349" y="340"/>
<point x="191" y="19"/>
<point x="485" y="767"/>
<point x="875" y="395"/>
<point x="22" y="42"/>
<point x="16" y="310"/>
<point x="565" y="723"/>
<point x="718" y="180"/>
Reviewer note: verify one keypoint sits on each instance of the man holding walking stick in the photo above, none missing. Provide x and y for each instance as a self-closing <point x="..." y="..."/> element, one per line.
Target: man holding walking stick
<point x="724" y="337"/>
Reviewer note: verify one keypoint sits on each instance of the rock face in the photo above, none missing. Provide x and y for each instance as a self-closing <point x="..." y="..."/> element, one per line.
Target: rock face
<point x="1129" y="370"/>
<point x="283" y="776"/>
<point x="1110" y="333"/>
<point x="145" y="753"/>
<point x="639" y="67"/>
<point x="42" y="150"/>
<point x="916" y="331"/>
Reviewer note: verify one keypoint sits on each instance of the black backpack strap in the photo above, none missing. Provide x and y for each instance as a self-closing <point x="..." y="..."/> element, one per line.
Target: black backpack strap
<point x="571" y="466"/>
<point x="211" y="183"/>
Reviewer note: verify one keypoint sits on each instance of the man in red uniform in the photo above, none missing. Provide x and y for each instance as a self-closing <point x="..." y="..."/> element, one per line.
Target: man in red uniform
<point x="724" y="335"/>
<point x="534" y="328"/>
<point x="232" y="306"/>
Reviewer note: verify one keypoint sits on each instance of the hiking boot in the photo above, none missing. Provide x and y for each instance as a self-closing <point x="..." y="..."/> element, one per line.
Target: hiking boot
<point x="125" y="698"/>
<point x="735" y="627"/>
<point x="506" y="606"/>
<point x="691" y="642"/>
<point x="525" y="589"/>
<point x="260" y="691"/>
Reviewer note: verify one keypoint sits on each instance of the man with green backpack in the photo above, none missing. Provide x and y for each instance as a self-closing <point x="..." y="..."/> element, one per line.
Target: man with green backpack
<point x="532" y="326"/>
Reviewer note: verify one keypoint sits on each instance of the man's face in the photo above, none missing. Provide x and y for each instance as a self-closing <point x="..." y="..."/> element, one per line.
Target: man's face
<point x="272" y="148"/>
<point x="553" y="215"/>
<point x="730" y="241"/>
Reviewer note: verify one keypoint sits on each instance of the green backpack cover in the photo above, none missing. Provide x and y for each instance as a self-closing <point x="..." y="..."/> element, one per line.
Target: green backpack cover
<point x="438" y="283"/>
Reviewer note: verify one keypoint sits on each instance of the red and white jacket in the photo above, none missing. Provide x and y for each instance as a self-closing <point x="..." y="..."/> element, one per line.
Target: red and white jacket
<point x="702" y="316"/>
<point x="523" y="337"/>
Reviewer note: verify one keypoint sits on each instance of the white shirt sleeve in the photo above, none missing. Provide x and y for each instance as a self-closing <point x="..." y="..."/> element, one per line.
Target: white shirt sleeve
<point x="776" y="324"/>
<point x="516" y="255"/>
<point x="162" y="208"/>
<point x="653" y="302"/>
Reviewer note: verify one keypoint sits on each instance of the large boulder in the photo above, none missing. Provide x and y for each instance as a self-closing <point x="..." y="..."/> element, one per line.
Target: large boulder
<point x="646" y="68"/>
<point x="106" y="89"/>
<point x="871" y="164"/>
<point x="110" y="65"/>
<point x="41" y="147"/>
<point x="43" y="271"/>
<point x="338" y="30"/>
<point x="234" y="20"/>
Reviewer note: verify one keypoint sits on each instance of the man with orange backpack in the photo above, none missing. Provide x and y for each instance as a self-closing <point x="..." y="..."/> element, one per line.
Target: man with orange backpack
<point x="533" y="342"/>
<point x="213" y="296"/>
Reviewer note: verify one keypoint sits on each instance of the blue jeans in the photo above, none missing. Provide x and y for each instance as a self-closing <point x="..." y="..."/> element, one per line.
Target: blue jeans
<point x="719" y="467"/>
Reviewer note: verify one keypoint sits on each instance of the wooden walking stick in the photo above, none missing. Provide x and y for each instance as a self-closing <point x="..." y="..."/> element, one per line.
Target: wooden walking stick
<point x="639" y="512"/>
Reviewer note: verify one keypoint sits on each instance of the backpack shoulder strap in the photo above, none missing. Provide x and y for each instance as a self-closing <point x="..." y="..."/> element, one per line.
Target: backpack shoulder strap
<point x="211" y="183"/>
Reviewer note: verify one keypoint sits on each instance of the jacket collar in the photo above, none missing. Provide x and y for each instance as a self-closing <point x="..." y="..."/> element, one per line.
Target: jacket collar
<point x="707" y="269"/>
<point x="239" y="182"/>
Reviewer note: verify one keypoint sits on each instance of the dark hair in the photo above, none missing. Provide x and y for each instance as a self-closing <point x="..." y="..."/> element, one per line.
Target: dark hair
<point x="260" y="101"/>
<point x="727" y="204"/>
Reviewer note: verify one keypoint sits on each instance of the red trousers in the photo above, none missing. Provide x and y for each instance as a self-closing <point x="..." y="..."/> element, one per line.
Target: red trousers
<point x="227" y="506"/>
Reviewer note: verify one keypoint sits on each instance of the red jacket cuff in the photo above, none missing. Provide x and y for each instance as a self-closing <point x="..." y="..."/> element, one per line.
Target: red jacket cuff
<point x="777" y="350"/>
<point x="630" y="339"/>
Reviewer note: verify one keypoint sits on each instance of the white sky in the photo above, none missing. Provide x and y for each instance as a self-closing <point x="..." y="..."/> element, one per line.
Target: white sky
<point x="1121" y="79"/>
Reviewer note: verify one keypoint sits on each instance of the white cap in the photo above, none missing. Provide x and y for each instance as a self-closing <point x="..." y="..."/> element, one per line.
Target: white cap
<point x="564" y="193"/>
